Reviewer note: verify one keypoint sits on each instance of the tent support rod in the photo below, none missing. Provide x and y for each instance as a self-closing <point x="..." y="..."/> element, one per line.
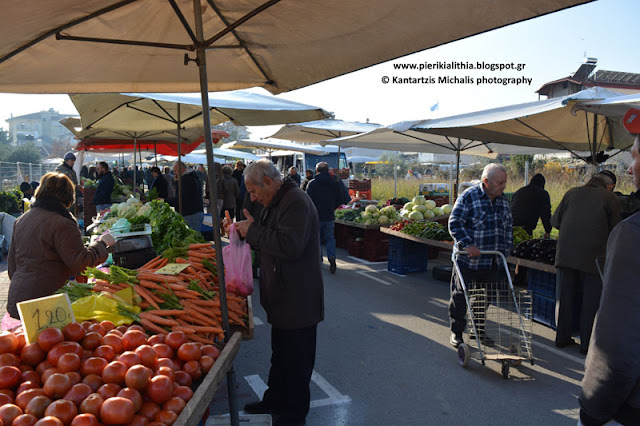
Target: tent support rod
<point x="547" y="137"/>
<point x="154" y="115"/>
<point x="213" y="197"/>
<point x="125" y="42"/>
<point x="179" y="166"/>
<point x="455" y="189"/>
<point x="236" y="24"/>
<point x="424" y="140"/>
<point x="135" y="175"/>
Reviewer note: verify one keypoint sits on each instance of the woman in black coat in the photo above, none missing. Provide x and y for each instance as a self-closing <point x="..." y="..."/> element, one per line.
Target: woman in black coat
<point x="159" y="184"/>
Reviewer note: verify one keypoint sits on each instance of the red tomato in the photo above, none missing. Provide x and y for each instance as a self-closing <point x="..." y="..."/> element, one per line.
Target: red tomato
<point x="63" y="410"/>
<point x="49" y="421"/>
<point x="166" y="371"/>
<point x="21" y="342"/>
<point x="93" y="381"/>
<point x="86" y="354"/>
<point x="149" y="409"/>
<point x="23" y="398"/>
<point x="114" y="341"/>
<point x="116" y="332"/>
<point x="9" y="360"/>
<point x="8" y="392"/>
<point x="9" y="376"/>
<point x="37" y="405"/>
<point x="57" y="385"/>
<point x="97" y="328"/>
<point x="106" y="352"/>
<point x="8" y="342"/>
<point x="85" y="420"/>
<point x="163" y="350"/>
<point x="193" y="369"/>
<point x="30" y="376"/>
<point x="183" y="378"/>
<point x="63" y="348"/>
<point x="166" y="417"/>
<point x="160" y="389"/>
<point x="174" y="404"/>
<point x="139" y="420"/>
<point x="189" y="352"/>
<point x="23" y="387"/>
<point x="132" y="395"/>
<point x="50" y="337"/>
<point x="206" y="362"/>
<point x="122" y="328"/>
<point x="78" y="393"/>
<point x="8" y="412"/>
<point x="69" y="362"/>
<point x="135" y="327"/>
<point x="117" y="411"/>
<point x="109" y="390"/>
<point x="129" y="359"/>
<point x="175" y="339"/>
<point x="155" y="339"/>
<point x="132" y="339"/>
<point x="183" y="392"/>
<point x="86" y="325"/>
<point x="48" y="373"/>
<point x="93" y="365"/>
<point x="137" y="377"/>
<point x="73" y="332"/>
<point x="25" y="420"/>
<point x="92" y="404"/>
<point x="108" y="325"/>
<point x="91" y="341"/>
<point x="165" y="362"/>
<point x="74" y="376"/>
<point x="43" y="366"/>
<point x="114" y="372"/>
<point x="147" y="355"/>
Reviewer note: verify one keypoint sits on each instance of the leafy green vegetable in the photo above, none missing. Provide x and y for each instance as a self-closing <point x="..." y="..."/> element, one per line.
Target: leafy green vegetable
<point x="76" y="290"/>
<point x="167" y="226"/>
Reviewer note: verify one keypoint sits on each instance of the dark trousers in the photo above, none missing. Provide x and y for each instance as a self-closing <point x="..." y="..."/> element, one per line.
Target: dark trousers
<point x="239" y="213"/>
<point x="568" y="283"/>
<point x="457" y="303"/>
<point x="292" y="359"/>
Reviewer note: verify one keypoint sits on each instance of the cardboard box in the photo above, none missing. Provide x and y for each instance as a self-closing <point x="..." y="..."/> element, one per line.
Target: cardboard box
<point x="434" y="189"/>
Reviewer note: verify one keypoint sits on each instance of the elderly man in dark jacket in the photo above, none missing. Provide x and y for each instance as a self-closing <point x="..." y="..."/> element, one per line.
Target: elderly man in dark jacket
<point x="291" y="288"/>
<point x="191" y="195"/>
<point x="585" y="217"/>
<point x="611" y="385"/>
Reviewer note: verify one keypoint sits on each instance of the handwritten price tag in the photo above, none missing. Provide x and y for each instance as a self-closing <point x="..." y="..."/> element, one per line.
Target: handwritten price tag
<point x="172" y="268"/>
<point x="38" y="314"/>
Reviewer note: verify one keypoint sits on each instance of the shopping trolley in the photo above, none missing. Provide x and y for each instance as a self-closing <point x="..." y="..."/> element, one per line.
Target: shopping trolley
<point x="499" y="319"/>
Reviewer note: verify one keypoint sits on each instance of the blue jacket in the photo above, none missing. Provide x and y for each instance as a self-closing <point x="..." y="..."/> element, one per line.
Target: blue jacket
<point x="327" y="194"/>
<point x="104" y="190"/>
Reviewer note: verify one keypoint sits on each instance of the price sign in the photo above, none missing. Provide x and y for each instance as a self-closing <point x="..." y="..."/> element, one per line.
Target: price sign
<point x="38" y="314"/>
<point x="172" y="268"/>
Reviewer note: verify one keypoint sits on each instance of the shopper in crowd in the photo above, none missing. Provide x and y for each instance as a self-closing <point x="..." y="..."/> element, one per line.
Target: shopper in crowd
<point x="327" y="194"/>
<point x="286" y="234"/>
<point x="168" y="177"/>
<point x="293" y="174"/>
<point x="148" y="177"/>
<point x="102" y="199"/>
<point x="611" y="384"/>
<point x="231" y="192"/>
<point x="47" y="242"/>
<point x="585" y="217"/>
<point x="531" y="203"/>
<point x="190" y="194"/>
<point x="480" y="221"/>
<point x="159" y="183"/>
<point x="84" y="172"/>
<point x="202" y="174"/>
<point x="66" y="168"/>
<point x="238" y="175"/>
<point x="27" y="192"/>
<point x="308" y="177"/>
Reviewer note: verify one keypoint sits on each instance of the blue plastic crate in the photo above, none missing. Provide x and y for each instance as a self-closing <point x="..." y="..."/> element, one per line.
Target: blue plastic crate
<point x="406" y="257"/>
<point x="544" y="310"/>
<point x="543" y="283"/>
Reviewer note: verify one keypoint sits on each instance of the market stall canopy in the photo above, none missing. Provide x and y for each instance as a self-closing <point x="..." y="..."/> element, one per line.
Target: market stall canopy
<point x="121" y="145"/>
<point x="230" y="153"/>
<point x="321" y="130"/>
<point x="271" y="146"/>
<point x="614" y="107"/>
<point x="360" y="159"/>
<point x="97" y="46"/>
<point x="157" y="112"/>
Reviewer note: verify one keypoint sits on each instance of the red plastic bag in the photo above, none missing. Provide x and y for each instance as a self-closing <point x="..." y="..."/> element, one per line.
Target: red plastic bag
<point x="238" y="274"/>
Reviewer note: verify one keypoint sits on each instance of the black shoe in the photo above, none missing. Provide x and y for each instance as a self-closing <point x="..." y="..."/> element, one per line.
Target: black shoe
<point x="332" y="265"/>
<point x="456" y="339"/>
<point x="260" y="407"/>
<point x="484" y="339"/>
<point x="569" y="342"/>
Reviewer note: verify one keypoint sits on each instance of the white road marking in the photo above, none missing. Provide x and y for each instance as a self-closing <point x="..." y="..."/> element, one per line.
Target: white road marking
<point x="380" y="280"/>
<point x="366" y="262"/>
<point x="433" y="302"/>
<point x="257" y="321"/>
<point x="325" y="386"/>
<point x="257" y="384"/>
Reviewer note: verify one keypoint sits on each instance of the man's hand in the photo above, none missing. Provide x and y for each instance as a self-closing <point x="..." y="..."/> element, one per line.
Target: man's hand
<point x="472" y="251"/>
<point x="243" y="226"/>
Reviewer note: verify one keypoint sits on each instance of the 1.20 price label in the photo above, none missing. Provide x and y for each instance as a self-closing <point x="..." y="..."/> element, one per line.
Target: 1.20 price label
<point x="38" y="314"/>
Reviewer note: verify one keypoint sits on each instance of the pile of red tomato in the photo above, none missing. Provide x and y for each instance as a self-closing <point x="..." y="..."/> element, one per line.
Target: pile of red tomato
<point x="94" y="373"/>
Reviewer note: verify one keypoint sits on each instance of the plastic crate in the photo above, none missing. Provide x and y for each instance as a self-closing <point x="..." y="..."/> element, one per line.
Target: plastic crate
<point x="544" y="310"/>
<point x="356" y="248"/>
<point x="133" y="259"/>
<point x="406" y="257"/>
<point x="543" y="283"/>
<point x="342" y="234"/>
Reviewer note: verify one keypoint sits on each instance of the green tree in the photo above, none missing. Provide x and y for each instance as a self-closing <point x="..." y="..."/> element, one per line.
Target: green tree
<point x="518" y="162"/>
<point x="28" y="153"/>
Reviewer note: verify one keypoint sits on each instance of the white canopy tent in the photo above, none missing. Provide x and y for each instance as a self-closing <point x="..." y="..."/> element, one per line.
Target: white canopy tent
<point x="321" y="130"/>
<point x="271" y="146"/>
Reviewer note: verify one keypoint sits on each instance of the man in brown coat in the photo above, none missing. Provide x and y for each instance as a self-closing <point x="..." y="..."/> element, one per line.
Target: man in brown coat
<point x="291" y="288"/>
<point x="585" y="217"/>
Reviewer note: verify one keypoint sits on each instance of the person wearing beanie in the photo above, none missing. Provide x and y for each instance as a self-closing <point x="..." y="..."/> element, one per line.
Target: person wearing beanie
<point x="530" y="203"/>
<point x="66" y="168"/>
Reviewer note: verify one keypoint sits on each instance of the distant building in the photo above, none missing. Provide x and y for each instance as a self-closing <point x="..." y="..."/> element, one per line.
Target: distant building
<point x="40" y="128"/>
<point x="585" y="77"/>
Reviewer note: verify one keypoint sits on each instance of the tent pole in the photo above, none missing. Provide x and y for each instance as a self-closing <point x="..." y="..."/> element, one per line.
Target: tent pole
<point x="455" y="189"/>
<point x="155" y="153"/>
<point x="395" y="178"/>
<point x="450" y="183"/>
<point x="179" y="161"/>
<point x="135" y="175"/>
<point x="204" y="92"/>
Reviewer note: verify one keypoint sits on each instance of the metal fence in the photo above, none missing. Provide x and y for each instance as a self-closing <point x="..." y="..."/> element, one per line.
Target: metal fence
<point x="13" y="174"/>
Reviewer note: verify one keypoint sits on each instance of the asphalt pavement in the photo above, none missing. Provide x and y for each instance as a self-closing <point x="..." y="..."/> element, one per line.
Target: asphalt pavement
<point x="384" y="358"/>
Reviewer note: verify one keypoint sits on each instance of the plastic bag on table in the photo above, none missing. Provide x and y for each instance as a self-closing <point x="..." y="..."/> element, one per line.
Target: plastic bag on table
<point x="104" y="307"/>
<point x="238" y="274"/>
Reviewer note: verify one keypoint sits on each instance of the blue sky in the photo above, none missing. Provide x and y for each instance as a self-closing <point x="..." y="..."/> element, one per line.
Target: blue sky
<point x="551" y="47"/>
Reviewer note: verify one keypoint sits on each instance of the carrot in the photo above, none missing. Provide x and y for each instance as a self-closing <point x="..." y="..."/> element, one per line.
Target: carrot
<point x="200" y="245"/>
<point x="181" y="260"/>
<point x="157" y="320"/>
<point x="144" y="305"/>
<point x="184" y="295"/>
<point x="151" y="285"/>
<point x="145" y="295"/>
<point x="149" y="326"/>
<point x="185" y="329"/>
<point x="150" y="264"/>
<point x="197" y="254"/>
<point x="197" y="338"/>
<point x="214" y="330"/>
<point x="193" y="314"/>
<point x="157" y="278"/>
<point x="226" y="216"/>
<point x="174" y="312"/>
<point x="177" y="286"/>
<point x="162" y="263"/>
<point x="211" y="303"/>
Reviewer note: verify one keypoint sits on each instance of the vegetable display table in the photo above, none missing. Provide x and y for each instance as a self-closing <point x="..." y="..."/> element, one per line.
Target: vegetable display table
<point x="364" y="241"/>
<point x="192" y="413"/>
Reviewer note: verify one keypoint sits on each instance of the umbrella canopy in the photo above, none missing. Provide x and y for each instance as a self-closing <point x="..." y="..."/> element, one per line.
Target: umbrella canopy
<point x="271" y="146"/>
<point x="230" y="153"/>
<point x="614" y="107"/>
<point x="140" y="45"/>
<point x="321" y="130"/>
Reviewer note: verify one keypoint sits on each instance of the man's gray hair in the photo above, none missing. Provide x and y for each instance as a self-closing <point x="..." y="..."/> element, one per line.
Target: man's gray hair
<point x="322" y="167"/>
<point x="491" y="168"/>
<point x="260" y="169"/>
